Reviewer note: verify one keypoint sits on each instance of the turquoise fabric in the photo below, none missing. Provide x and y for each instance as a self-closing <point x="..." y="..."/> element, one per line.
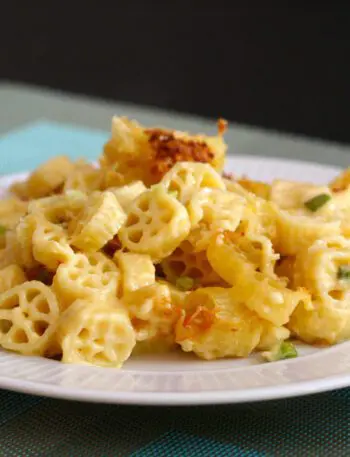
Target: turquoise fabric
<point x="30" y="426"/>
<point x="25" y="149"/>
<point x="317" y="425"/>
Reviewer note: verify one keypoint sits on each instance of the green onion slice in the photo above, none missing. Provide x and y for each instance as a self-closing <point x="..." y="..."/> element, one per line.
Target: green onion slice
<point x="2" y="230"/>
<point x="185" y="283"/>
<point x="285" y="350"/>
<point x="317" y="202"/>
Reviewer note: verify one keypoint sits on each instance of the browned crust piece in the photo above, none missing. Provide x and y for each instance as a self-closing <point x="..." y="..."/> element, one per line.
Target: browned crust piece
<point x="169" y="150"/>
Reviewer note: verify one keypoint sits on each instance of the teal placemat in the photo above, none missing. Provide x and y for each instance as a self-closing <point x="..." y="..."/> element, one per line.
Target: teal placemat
<point x="32" y="426"/>
<point x="25" y="149"/>
<point x="318" y="425"/>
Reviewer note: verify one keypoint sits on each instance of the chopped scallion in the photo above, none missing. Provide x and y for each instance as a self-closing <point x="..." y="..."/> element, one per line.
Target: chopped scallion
<point x="344" y="272"/>
<point x="2" y="230"/>
<point x="284" y="350"/>
<point x="174" y="193"/>
<point x="185" y="283"/>
<point x="317" y="202"/>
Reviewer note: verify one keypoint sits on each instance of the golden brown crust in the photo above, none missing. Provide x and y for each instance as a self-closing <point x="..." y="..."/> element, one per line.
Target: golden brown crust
<point x="222" y="126"/>
<point x="169" y="150"/>
<point x="341" y="182"/>
<point x="196" y="323"/>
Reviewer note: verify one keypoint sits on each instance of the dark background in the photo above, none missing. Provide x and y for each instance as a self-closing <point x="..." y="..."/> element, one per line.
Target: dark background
<point x="284" y="68"/>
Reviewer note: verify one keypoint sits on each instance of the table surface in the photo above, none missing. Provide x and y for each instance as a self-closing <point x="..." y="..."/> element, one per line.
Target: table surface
<point x="32" y="426"/>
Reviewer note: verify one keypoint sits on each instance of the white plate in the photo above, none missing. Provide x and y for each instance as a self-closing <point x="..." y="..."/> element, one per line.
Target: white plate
<point x="180" y="379"/>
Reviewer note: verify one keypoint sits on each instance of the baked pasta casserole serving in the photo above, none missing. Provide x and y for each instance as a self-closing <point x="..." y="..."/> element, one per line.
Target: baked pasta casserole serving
<point x="155" y="249"/>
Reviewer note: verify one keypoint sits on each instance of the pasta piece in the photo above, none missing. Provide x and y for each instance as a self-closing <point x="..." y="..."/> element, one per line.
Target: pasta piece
<point x="5" y="261"/>
<point x="257" y="249"/>
<point x="292" y="195"/>
<point x="11" y="211"/>
<point x="267" y="296"/>
<point x="97" y="333"/>
<point x="127" y="194"/>
<point x="85" y="276"/>
<point x="151" y="312"/>
<point x="261" y="189"/>
<point x="47" y="178"/>
<point x="11" y="276"/>
<point x="341" y="182"/>
<point x="341" y="210"/>
<point x="285" y="268"/>
<point x="319" y="269"/>
<point x="322" y="321"/>
<point x="271" y="336"/>
<point x="186" y="178"/>
<point x="218" y="209"/>
<point x="200" y="236"/>
<point x="135" y="153"/>
<point x="295" y="232"/>
<point x="234" y="187"/>
<point x="19" y="190"/>
<point x="162" y="343"/>
<point x="137" y="270"/>
<point x="178" y="297"/>
<point x="185" y="261"/>
<point x="258" y="214"/>
<point x="157" y="345"/>
<point x="156" y="224"/>
<point x="21" y="241"/>
<point x="50" y="245"/>
<point x="59" y="209"/>
<point x="216" y="324"/>
<point x="11" y="253"/>
<point x="85" y="178"/>
<point x="28" y="316"/>
<point x="2" y="240"/>
<point x="127" y="155"/>
<point x="335" y="209"/>
<point x="100" y="220"/>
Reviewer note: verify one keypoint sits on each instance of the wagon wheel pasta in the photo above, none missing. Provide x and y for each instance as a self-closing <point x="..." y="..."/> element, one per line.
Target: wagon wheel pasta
<point x="156" y="224"/>
<point x="28" y="317"/>
<point x="98" y="222"/>
<point x="137" y="270"/>
<point x="186" y="178"/>
<point x="84" y="276"/>
<point x="50" y="245"/>
<point x="11" y="276"/>
<point x="215" y="324"/>
<point x="185" y="261"/>
<point x="151" y="311"/>
<point x="95" y="333"/>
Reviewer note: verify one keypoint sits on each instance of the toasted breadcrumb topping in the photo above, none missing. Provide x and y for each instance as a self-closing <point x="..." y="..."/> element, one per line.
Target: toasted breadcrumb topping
<point x="222" y="126"/>
<point x="169" y="150"/>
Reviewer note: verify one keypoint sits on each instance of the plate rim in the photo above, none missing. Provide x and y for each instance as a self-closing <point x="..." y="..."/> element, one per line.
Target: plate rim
<point x="208" y="397"/>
